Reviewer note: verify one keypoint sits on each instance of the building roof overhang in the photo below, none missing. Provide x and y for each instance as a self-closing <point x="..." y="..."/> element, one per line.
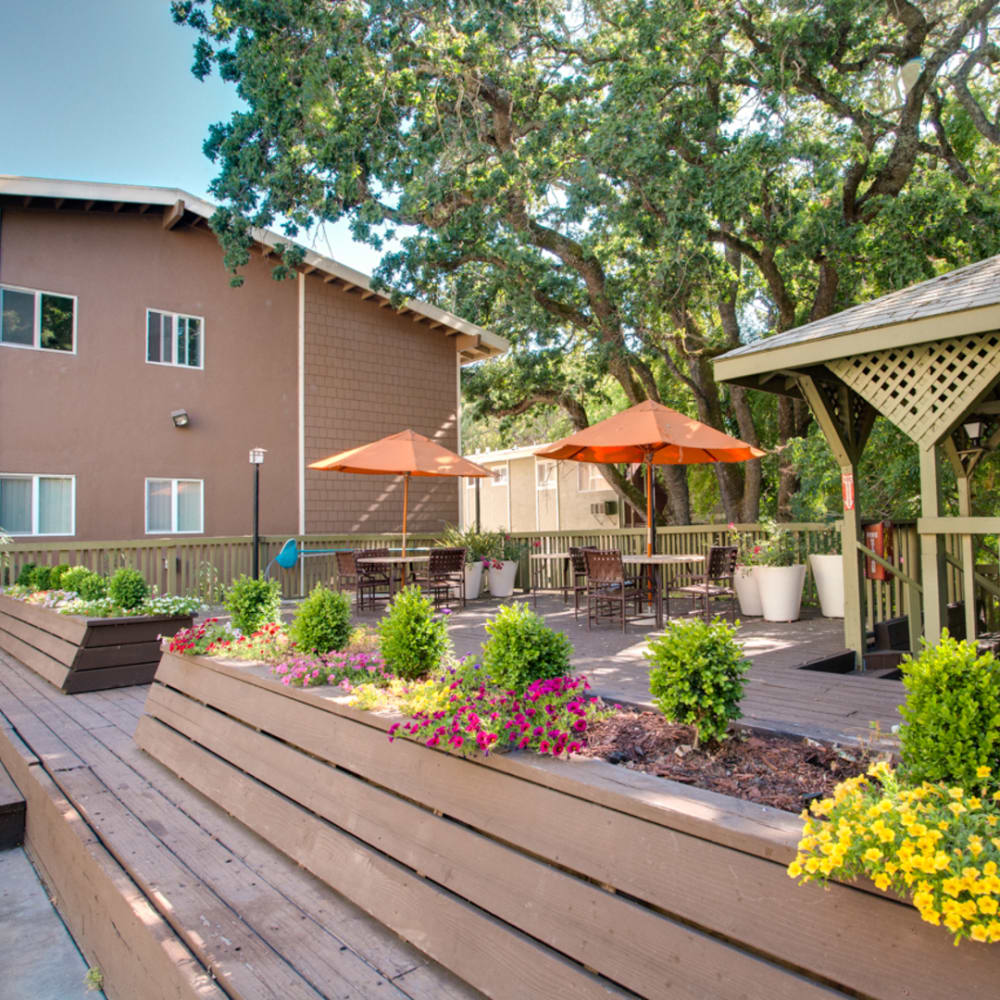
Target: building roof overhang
<point x="179" y="208"/>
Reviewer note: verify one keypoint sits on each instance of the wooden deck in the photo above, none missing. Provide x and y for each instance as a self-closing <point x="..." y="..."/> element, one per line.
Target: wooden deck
<point x="203" y="906"/>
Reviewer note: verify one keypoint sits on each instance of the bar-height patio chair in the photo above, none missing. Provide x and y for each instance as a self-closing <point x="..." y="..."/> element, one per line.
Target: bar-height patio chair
<point x="610" y="594"/>
<point x="578" y="574"/>
<point x="444" y="576"/>
<point x="347" y="572"/>
<point x="715" y="582"/>
<point x="372" y="580"/>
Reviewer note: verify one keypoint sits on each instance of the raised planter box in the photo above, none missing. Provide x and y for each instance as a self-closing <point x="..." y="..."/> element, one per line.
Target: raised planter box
<point x="84" y="654"/>
<point x="532" y="877"/>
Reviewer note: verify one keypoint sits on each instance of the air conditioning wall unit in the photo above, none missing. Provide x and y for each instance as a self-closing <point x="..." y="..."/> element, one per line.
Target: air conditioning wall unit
<point x="608" y="507"/>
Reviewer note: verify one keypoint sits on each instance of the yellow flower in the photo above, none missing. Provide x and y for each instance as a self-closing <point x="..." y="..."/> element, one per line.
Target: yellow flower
<point x="983" y="771"/>
<point x="990" y="868"/>
<point x="957" y="808"/>
<point x="956" y="793"/>
<point x="979" y="933"/>
<point x="795" y="869"/>
<point x="882" y="882"/>
<point x="872" y="854"/>
<point x="953" y="922"/>
<point x="987" y="904"/>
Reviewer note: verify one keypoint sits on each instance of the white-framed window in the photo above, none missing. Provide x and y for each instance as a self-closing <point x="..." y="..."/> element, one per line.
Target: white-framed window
<point x="545" y="475"/>
<point x="173" y="339"/>
<point x="589" y="478"/>
<point x="40" y="321"/>
<point x="500" y="475"/>
<point x="37" y="504"/>
<point x="175" y="506"/>
<point x="470" y="482"/>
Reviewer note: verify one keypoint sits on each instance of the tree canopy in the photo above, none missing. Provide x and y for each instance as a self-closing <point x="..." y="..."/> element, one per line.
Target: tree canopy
<point x="624" y="189"/>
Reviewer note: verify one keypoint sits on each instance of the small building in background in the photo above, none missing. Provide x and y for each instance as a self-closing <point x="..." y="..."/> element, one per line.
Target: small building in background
<point x="538" y="494"/>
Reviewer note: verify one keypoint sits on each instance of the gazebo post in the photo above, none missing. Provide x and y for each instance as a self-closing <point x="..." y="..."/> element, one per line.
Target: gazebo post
<point x="846" y="429"/>
<point x="932" y="565"/>
<point x="963" y="473"/>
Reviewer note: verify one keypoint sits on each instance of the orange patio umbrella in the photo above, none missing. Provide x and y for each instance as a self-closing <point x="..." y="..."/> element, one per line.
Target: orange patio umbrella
<point x="404" y="454"/>
<point x="654" y="435"/>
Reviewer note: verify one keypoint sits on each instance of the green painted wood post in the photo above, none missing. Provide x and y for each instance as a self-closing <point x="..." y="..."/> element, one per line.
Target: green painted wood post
<point x="931" y="547"/>
<point x="854" y="583"/>
<point x="968" y="560"/>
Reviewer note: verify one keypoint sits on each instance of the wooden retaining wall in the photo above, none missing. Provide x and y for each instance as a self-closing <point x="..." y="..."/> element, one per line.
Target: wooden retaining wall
<point x="84" y="654"/>
<point x="538" y="878"/>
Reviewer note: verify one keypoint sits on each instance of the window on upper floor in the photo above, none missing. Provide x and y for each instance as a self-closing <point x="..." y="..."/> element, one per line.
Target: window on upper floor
<point x="499" y="474"/>
<point x="42" y="321"/>
<point x="37" y="505"/>
<point x="545" y="475"/>
<point x="589" y="478"/>
<point x="175" y="506"/>
<point x="173" y="339"/>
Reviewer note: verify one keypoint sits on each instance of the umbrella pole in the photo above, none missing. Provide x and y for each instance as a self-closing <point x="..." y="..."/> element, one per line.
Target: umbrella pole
<point x="406" y="500"/>
<point x="650" y="527"/>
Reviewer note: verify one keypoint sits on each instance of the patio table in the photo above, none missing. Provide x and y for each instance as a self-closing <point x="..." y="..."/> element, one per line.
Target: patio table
<point x="392" y="562"/>
<point x="660" y="594"/>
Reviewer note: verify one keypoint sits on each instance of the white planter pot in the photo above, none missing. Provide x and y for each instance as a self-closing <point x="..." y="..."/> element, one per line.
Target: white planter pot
<point x="502" y="580"/>
<point x="780" y="591"/>
<point x="747" y="591"/>
<point x="828" y="572"/>
<point x="473" y="579"/>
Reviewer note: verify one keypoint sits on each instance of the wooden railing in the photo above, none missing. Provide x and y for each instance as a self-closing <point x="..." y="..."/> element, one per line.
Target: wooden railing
<point x="205" y="565"/>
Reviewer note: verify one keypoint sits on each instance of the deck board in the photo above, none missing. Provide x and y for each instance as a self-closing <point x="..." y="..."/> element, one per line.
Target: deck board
<point x="257" y="922"/>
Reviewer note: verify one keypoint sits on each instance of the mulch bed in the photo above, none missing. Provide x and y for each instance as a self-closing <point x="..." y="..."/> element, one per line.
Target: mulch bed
<point x="772" y="770"/>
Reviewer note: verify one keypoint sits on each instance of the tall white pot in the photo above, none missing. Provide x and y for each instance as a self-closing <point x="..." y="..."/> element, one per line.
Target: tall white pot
<point x="780" y="591"/>
<point x="473" y="579"/>
<point x="502" y="579"/>
<point x="828" y="572"/>
<point x="747" y="591"/>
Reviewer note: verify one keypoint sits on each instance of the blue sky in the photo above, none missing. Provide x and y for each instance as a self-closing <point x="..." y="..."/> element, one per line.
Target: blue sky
<point x="103" y="91"/>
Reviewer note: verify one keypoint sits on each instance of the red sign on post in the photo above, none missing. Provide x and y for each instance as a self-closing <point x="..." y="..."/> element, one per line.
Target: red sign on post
<point x="847" y="488"/>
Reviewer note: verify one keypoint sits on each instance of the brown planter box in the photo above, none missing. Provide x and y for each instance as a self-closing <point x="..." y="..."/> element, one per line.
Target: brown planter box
<point x="84" y="654"/>
<point x="532" y="877"/>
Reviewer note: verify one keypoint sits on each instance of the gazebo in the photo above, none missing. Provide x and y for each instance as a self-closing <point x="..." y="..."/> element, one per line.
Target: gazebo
<point x="928" y="359"/>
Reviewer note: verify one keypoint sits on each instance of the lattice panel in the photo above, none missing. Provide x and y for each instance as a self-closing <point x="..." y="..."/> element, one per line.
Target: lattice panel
<point x="850" y="412"/>
<point x="923" y="389"/>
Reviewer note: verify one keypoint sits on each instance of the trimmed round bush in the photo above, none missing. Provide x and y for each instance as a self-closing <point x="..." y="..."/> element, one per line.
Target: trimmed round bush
<point x="323" y="621"/>
<point x="72" y="576"/>
<point x="413" y="639"/>
<point x="951" y="715"/>
<point x="92" y="587"/>
<point x="56" y="576"/>
<point x="521" y="649"/>
<point x="253" y="603"/>
<point x="41" y="577"/>
<point x="25" y="574"/>
<point x="696" y="676"/>
<point x="128" y="588"/>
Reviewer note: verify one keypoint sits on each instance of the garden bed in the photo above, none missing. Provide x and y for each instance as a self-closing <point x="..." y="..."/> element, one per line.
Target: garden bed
<point x="84" y="654"/>
<point x="536" y="877"/>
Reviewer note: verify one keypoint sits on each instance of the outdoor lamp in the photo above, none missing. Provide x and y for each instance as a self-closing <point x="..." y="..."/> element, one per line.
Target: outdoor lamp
<point x="256" y="460"/>
<point x="180" y="418"/>
<point x="973" y="429"/>
<point x="256" y="455"/>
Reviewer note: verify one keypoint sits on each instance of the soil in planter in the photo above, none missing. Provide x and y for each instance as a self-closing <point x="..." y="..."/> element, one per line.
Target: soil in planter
<point x="766" y="769"/>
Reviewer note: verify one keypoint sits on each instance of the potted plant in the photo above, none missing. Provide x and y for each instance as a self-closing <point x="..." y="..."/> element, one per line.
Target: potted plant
<point x="779" y="575"/>
<point x="748" y="551"/>
<point x="503" y="566"/>
<point x="479" y="548"/>
<point x="828" y="572"/>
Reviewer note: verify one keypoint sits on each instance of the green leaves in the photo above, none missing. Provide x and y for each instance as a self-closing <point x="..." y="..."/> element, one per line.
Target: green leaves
<point x="696" y="677"/>
<point x="521" y="649"/>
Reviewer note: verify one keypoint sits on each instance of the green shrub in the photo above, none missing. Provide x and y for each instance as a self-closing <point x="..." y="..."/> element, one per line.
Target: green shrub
<point x="697" y="674"/>
<point x="323" y="621"/>
<point x="127" y="588"/>
<point x="24" y="576"/>
<point x="41" y="577"/>
<point x="71" y="578"/>
<point x="253" y="603"/>
<point x="521" y="648"/>
<point x="951" y="715"/>
<point x="92" y="587"/>
<point x="413" y="639"/>
<point x="56" y="576"/>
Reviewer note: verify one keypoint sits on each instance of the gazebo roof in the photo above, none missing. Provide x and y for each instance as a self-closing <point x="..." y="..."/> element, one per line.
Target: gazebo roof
<point x="961" y="302"/>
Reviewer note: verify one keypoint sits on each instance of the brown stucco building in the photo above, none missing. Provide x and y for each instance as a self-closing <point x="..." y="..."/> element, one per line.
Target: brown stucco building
<point x="117" y="322"/>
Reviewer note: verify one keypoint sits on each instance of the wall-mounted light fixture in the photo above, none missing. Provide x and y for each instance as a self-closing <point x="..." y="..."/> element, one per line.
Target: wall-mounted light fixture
<point x="180" y="418"/>
<point x="973" y="428"/>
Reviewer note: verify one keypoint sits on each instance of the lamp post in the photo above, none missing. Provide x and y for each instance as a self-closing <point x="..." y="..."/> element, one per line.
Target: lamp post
<point x="256" y="460"/>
